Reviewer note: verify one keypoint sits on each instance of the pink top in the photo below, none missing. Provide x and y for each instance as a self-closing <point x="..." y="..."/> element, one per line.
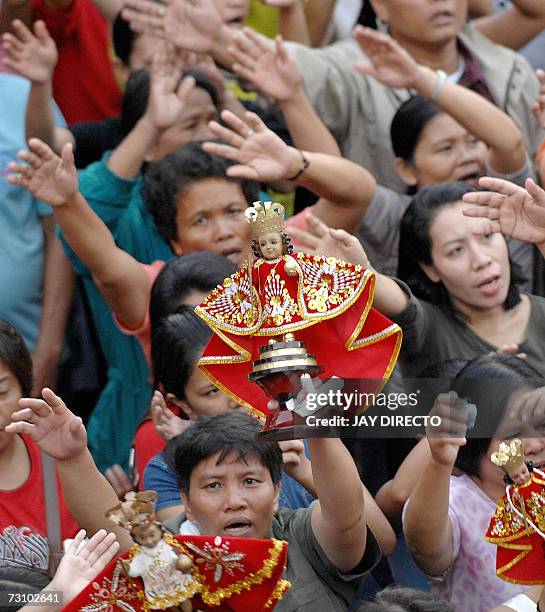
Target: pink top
<point x="143" y="331"/>
<point x="471" y="583"/>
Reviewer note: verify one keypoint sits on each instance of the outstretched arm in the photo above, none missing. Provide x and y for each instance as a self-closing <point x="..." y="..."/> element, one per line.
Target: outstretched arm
<point x="33" y="55"/>
<point x="510" y="209"/>
<point x="338" y="520"/>
<point x="61" y="434"/>
<point x="120" y="278"/>
<point x="426" y="525"/>
<point x="393" y="495"/>
<point x="516" y="25"/>
<point x="166" y="102"/>
<point x="390" y="64"/>
<point x="345" y="188"/>
<point x="271" y="69"/>
<point x="389" y="298"/>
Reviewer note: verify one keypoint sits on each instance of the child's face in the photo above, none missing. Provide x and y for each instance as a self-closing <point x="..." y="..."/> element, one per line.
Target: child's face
<point x="520" y="475"/>
<point x="271" y="245"/>
<point x="148" y="537"/>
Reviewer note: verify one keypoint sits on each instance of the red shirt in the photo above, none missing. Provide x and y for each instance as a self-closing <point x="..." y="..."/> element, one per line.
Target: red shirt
<point x="84" y="84"/>
<point x="23" y="531"/>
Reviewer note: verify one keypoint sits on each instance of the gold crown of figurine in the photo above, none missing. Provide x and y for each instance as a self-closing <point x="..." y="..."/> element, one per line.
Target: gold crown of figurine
<point x="137" y="510"/>
<point x="265" y="218"/>
<point x="509" y="456"/>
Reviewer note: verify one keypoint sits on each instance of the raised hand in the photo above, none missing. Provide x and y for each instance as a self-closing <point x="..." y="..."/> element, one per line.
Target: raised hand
<point x="193" y="24"/>
<point x="260" y="153"/>
<point x="47" y="176"/>
<point x="446" y="439"/>
<point x="388" y="62"/>
<point x="510" y="209"/>
<point x="167" y="424"/>
<point x="538" y="107"/>
<point x="269" y="67"/>
<point x="145" y="16"/>
<point x="167" y="98"/>
<point x="81" y="564"/>
<point x="57" y="431"/>
<point x="119" y="480"/>
<point x="329" y="242"/>
<point x="32" y="55"/>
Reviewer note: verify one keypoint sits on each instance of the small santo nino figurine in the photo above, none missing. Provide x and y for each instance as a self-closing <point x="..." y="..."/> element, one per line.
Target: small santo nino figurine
<point x="165" y="572"/>
<point x="323" y="302"/>
<point x="518" y="525"/>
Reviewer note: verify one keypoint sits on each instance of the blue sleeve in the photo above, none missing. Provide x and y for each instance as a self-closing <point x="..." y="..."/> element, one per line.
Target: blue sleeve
<point x="159" y="477"/>
<point x="292" y="494"/>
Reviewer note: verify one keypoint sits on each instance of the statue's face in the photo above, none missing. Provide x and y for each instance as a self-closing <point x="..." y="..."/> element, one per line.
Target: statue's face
<point x="271" y="245"/>
<point x="520" y="475"/>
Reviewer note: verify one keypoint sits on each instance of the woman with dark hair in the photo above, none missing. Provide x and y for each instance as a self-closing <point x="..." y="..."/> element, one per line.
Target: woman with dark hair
<point x="23" y="527"/>
<point x="456" y="279"/>
<point x="446" y="517"/>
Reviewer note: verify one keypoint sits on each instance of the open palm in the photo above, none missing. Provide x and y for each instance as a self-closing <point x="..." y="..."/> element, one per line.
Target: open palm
<point x="192" y="24"/>
<point x="260" y="154"/>
<point x="33" y="56"/>
<point x="510" y="209"/>
<point x="47" y="176"/>
<point x="388" y="62"/>
<point x="167" y="98"/>
<point x="268" y="67"/>
<point x="55" y="429"/>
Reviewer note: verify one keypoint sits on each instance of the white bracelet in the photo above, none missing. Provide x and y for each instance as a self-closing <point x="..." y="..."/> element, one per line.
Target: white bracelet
<point x="439" y="84"/>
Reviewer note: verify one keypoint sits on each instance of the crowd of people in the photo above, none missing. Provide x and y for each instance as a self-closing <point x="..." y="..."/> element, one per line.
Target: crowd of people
<point x="405" y="137"/>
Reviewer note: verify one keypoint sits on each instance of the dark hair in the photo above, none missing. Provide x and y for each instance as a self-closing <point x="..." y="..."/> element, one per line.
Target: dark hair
<point x="135" y="99"/>
<point x="286" y="243"/>
<point x="231" y="431"/>
<point x="488" y="381"/>
<point x="177" y="342"/>
<point x="367" y="16"/>
<point x="415" y="247"/>
<point x="403" y="599"/>
<point x="15" y="356"/>
<point x="196" y="271"/>
<point x="408" y="124"/>
<point x="169" y="177"/>
<point x="123" y="39"/>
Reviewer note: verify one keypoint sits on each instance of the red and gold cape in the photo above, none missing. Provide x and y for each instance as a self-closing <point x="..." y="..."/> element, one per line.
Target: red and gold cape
<point x="327" y="304"/>
<point x="520" y="556"/>
<point x="230" y="575"/>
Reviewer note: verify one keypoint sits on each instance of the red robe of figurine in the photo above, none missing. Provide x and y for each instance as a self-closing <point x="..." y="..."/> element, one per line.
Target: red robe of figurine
<point x="521" y="549"/>
<point x="324" y="302"/>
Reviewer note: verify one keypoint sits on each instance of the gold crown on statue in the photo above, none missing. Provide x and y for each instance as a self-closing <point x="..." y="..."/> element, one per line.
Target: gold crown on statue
<point x="137" y="510"/>
<point x="509" y="456"/>
<point x="265" y="218"/>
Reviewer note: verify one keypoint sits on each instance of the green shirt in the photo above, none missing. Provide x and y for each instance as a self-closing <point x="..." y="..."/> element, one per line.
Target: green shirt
<point x="431" y="336"/>
<point x="316" y="584"/>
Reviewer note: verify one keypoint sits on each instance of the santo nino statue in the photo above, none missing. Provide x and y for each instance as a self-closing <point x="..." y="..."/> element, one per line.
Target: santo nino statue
<point x="518" y="525"/>
<point x="323" y="301"/>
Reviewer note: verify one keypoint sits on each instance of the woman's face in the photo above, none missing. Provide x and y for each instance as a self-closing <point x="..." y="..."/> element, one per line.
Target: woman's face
<point x="446" y="152"/>
<point x="474" y="269"/>
<point x="10" y="394"/>
<point x="425" y="22"/>
<point x="210" y="217"/>
<point x="202" y="398"/>
<point x="191" y="125"/>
